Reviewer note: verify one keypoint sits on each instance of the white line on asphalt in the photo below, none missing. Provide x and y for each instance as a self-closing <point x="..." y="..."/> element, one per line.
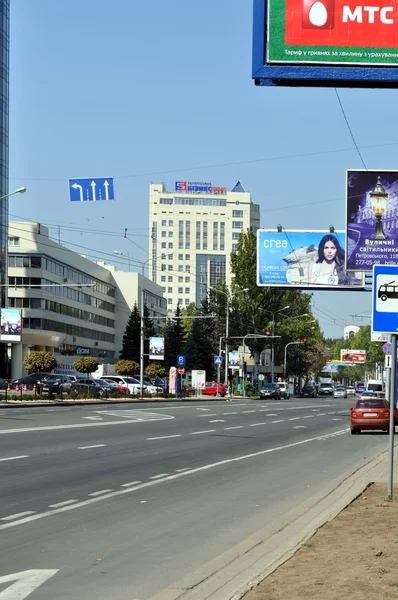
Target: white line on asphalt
<point x="59" y="504"/>
<point x="248" y="411"/>
<point x="18" y="515"/>
<point x="231" y="413"/>
<point x="236" y="427"/>
<point x="89" y="447"/>
<point x="100" y="492"/>
<point x="337" y="419"/>
<point x="197" y="408"/>
<point x="294" y="418"/>
<point x="332" y="413"/>
<point x="272" y="415"/>
<point x="182" y="470"/>
<point x="300" y="427"/>
<point x="257" y="424"/>
<point x="148" y="484"/>
<point x="309" y="417"/>
<point x="93" y="418"/>
<point x="160" y="476"/>
<point x="315" y="409"/>
<point x="321" y="414"/>
<point x="78" y="425"/>
<point x="207" y="431"/>
<point x="163" y="437"/>
<point x="130" y="484"/>
<point x="280" y="421"/>
<point x="217" y="421"/>
<point x="14" y="457"/>
<point x="208" y="415"/>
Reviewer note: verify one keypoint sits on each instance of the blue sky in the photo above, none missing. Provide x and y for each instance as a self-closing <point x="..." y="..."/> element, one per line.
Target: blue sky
<point x="162" y="91"/>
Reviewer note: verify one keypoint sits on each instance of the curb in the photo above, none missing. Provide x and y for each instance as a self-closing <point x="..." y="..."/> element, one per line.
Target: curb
<point x="40" y="403"/>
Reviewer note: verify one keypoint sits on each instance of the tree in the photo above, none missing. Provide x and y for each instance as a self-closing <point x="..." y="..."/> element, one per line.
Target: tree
<point x="127" y="367"/>
<point x="149" y="331"/>
<point x="40" y="361"/>
<point x="86" y="364"/>
<point x="155" y="370"/>
<point x="131" y="338"/>
<point x="199" y="348"/>
<point x="174" y="340"/>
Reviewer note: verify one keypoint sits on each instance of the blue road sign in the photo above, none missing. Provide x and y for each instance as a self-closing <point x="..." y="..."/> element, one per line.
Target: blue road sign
<point x="385" y="299"/>
<point x="218" y="360"/>
<point x="91" y="190"/>
<point x="181" y="360"/>
<point x="387" y="348"/>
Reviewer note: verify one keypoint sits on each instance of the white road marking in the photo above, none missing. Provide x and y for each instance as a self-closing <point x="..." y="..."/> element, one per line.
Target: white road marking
<point x="163" y="437"/>
<point x="100" y="492"/>
<point x="14" y="457"/>
<point x="159" y="476"/>
<point x="89" y="447"/>
<point x="247" y="411"/>
<point x="24" y="583"/>
<point x="321" y="414"/>
<point x="332" y="413"/>
<point x="59" y="504"/>
<point x="231" y="413"/>
<point x="236" y="427"/>
<point x="257" y="424"/>
<point x="141" y="486"/>
<point x="202" y="408"/>
<point x="338" y="419"/>
<point x="280" y="421"/>
<point x="217" y="421"/>
<point x="300" y="427"/>
<point x="272" y="415"/>
<point x="18" y="515"/>
<point x="309" y="416"/>
<point x="210" y="415"/>
<point x="315" y="409"/>
<point x="182" y="470"/>
<point x="93" y="418"/>
<point x="130" y="484"/>
<point x="294" y="418"/>
<point x="207" y="431"/>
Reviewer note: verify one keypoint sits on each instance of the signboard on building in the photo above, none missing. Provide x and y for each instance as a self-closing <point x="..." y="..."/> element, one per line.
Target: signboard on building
<point x="372" y="219"/>
<point x="11" y="325"/>
<point x="198" y="186"/>
<point x="304" y="259"/>
<point x="156" y="348"/>
<point x="352" y="357"/>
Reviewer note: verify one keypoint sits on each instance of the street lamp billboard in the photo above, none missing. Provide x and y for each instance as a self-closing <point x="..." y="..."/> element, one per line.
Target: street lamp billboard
<point x="11" y="325"/>
<point x="156" y="348"/>
<point x="304" y="259"/>
<point x="332" y="32"/>
<point x="353" y="357"/>
<point x="372" y="219"/>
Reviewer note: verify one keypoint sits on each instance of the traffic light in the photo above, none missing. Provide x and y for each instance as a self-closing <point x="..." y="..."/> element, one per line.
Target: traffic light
<point x="244" y="367"/>
<point x="305" y="340"/>
<point x="267" y="333"/>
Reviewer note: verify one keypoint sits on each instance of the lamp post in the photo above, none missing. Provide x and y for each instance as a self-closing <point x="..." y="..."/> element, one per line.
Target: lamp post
<point x="378" y="199"/>
<point x="284" y="361"/>
<point x="273" y="313"/>
<point x="251" y="335"/>
<point x="123" y="254"/>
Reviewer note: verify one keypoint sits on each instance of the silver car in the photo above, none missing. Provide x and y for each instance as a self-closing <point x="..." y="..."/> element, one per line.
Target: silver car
<point x="340" y="392"/>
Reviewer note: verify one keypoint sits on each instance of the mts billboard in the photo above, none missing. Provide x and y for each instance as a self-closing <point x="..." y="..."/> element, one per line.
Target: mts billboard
<point x="333" y="32"/>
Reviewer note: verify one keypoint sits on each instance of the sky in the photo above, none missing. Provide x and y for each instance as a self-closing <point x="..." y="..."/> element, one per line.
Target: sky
<point x="162" y="91"/>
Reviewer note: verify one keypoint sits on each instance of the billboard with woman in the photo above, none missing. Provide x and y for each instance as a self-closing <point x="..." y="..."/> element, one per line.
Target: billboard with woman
<point x="304" y="259"/>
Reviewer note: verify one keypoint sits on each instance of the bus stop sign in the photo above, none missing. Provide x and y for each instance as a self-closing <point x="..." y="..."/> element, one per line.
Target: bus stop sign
<point x="385" y="299"/>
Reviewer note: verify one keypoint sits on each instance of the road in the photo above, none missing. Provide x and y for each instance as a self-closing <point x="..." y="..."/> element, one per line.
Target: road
<point x="123" y="501"/>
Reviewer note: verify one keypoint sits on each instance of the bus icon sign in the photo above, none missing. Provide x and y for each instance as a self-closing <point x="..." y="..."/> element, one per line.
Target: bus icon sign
<point x="385" y="299"/>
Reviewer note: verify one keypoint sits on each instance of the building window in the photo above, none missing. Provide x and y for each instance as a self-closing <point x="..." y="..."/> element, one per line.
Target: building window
<point x="187" y="246"/>
<point x="170" y="223"/>
<point x="180" y="279"/>
<point x="187" y="290"/>
<point x="171" y="233"/>
<point x="169" y="290"/>
<point x="164" y="234"/>
<point x="237" y="214"/>
<point x="170" y="268"/>
<point x="204" y="246"/>
<point x="170" y="278"/>
<point x="187" y="269"/>
<point x="180" y="267"/>
<point x="164" y="223"/>
<point x="180" y="257"/>
<point x="170" y="244"/>
<point x="180" y="290"/>
<point x="164" y="290"/>
<point x="170" y="257"/>
<point x="197" y="246"/>
<point x="180" y="245"/>
<point x="164" y="245"/>
<point x="180" y="301"/>
<point x="13" y="241"/>
<point x="235" y="235"/>
<point x="169" y="300"/>
<point x="237" y="224"/>
<point x="187" y="279"/>
<point x="234" y="246"/>
<point x="163" y="278"/>
<point x="222" y="247"/>
<point x="187" y="301"/>
<point x="187" y="257"/>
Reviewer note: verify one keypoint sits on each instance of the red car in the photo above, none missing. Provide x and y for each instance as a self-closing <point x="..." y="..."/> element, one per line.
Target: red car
<point x="121" y="388"/>
<point x="211" y="388"/>
<point x="370" y="413"/>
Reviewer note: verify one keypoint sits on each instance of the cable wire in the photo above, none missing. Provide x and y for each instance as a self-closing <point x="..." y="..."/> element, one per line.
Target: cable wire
<point x="350" y="130"/>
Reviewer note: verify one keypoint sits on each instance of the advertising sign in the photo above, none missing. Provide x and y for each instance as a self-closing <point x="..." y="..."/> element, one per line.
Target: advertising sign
<point x="11" y="325"/>
<point x="198" y="186"/>
<point x="333" y="32"/>
<point x="378" y="337"/>
<point x="198" y="379"/>
<point x="233" y="359"/>
<point x="304" y="259"/>
<point x="353" y="357"/>
<point x="372" y="219"/>
<point x="172" y="380"/>
<point x="156" y="348"/>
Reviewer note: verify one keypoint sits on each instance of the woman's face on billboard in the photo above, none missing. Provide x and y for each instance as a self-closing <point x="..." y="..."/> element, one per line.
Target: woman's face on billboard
<point x="329" y="251"/>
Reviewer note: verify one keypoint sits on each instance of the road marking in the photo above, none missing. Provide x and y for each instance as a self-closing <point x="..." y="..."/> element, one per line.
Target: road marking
<point x="89" y="447"/>
<point x="100" y="492"/>
<point x="332" y="413"/>
<point x="207" y="431"/>
<point x="309" y="416"/>
<point x="315" y="409"/>
<point x="210" y="415"/>
<point x="93" y="418"/>
<point x="272" y="415"/>
<point x="148" y="484"/>
<point x="14" y="457"/>
<point x="159" y="476"/>
<point x="18" y="515"/>
<point x="321" y="414"/>
<point x="294" y="418"/>
<point x="202" y="408"/>
<point x="300" y="427"/>
<point x="231" y="413"/>
<point x="236" y="427"/>
<point x="338" y="419"/>
<point x="25" y="582"/>
<point x="280" y="421"/>
<point x="59" y="504"/>
<point x="217" y="421"/>
<point x="257" y="424"/>
<point x="182" y="470"/>
<point x="131" y="483"/>
<point x="247" y="411"/>
<point x="163" y="437"/>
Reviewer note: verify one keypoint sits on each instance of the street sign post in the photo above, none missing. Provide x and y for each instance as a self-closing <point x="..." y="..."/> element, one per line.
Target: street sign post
<point x="91" y="190"/>
<point x="181" y="370"/>
<point x="218" y="360"/>
<point x="387" y="361"/>
<point x="387" y="348"/>
<point x="181" y="360"/>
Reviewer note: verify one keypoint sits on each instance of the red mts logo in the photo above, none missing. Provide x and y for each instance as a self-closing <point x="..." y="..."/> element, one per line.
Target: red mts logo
<point x="346" y="23"/>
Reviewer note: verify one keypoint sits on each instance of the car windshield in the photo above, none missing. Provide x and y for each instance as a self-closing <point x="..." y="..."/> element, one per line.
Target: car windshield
<point x="101" y="382"/>
<point x="269" y="386"/>
<point x="340" y="389"/>
<point x="371" y="404"/>
<point x="369" y="395"/>
<point x="131" y="380"/>
<point x="326" y="384"/>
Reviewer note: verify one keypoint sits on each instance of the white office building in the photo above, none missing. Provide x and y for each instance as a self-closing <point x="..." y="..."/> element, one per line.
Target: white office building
<point x="194" y="228"/>
<point x="70" y="305"/>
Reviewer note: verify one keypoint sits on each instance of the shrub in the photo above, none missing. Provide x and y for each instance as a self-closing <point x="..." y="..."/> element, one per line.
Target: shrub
<point x="86" y="364"/>
<point x="40" y="361"/>
<point x="126" y="367"/>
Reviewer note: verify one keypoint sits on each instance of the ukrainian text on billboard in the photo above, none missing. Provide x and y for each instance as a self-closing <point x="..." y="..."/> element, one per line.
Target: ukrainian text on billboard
<point x="333" y="32"/>
<point x="304" y="259"/>
<point x="372" y="219"/>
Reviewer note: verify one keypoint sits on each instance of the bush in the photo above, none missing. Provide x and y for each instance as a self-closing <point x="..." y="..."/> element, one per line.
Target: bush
<point x="40" y="361"/>
<point x="126" y="367"/>
<point x="86" y="364"/>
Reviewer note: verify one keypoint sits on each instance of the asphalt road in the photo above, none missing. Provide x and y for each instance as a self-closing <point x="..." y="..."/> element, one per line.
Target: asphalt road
<point x="123" y="501"/>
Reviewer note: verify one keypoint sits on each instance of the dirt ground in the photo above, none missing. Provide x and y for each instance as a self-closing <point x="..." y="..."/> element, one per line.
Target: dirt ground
<point x="353" y="557"/>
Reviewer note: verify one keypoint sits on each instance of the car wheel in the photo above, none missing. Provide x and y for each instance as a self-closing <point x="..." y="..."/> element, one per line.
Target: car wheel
<point x="355" y="431"/>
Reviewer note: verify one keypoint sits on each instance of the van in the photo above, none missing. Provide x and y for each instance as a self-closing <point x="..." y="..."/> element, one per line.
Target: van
<point x="375" y="385"/>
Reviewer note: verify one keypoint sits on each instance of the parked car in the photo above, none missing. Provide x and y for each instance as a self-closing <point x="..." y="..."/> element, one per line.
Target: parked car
<point x="56" y="384"/>
<point x="284" y="388"/>
<point x="370" y="413"/>
<point x="340" y="392"/>
<point x="308" y="390"/>
<point x="270" y="390"/>
<point x="30" y="380"/>
<point x="92" y="387"/>
<point x="133" y="385"/>
<point x="350" y="390"/>
<point x="122" y="389"/>
<point x="325" y="389"/>
<point x="212" y="387"/>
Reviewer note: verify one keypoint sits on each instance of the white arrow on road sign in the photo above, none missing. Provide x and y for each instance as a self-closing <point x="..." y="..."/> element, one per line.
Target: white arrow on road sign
<point x="76" y="186"/>
<point x="106" y="186"/>
<point x="93" y="186"/>
<point x="25" y="583"/>
<point x="387" y="361"/>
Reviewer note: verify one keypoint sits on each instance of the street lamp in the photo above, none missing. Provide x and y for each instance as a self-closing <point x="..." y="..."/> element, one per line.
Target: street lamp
<point x="123" y="254"/>
<point x="378" y="200"/>
<point x="273" y="313"/>
<point x="284" y="361"/>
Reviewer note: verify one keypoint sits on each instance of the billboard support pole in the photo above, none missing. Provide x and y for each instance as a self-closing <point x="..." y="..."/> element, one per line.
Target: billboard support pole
<point x="392" y="415"/>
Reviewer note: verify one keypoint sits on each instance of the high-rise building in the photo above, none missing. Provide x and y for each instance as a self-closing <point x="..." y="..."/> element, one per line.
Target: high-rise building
<point x="194" y="228"/>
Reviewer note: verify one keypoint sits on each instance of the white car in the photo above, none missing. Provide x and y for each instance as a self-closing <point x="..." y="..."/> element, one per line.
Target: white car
<point x="351" y="390"/>
<point x="133" y="385"/>
<point x="340" y="392"/>
<point x="284" y="388"/>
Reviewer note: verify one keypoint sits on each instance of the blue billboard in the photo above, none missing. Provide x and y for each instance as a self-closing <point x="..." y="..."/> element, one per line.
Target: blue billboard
<point x="304" y="259"/>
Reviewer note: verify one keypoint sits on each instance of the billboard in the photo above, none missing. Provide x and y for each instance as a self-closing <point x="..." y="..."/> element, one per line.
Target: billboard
<point x="353" y="357"/>
<point x="372" y="219"/>
<point x="11" y="325"/>
<point x="378" y="337"/>
<point x="233" y="359"/>
<point x="304" y="259"/>
<point x="156" y="348"/>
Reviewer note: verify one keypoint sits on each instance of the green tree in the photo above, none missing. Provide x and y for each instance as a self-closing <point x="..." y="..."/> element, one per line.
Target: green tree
<point x="40" y="361"/>
<point x="127" y="367"/>
<point x="155" y="370"/>
<point x="149" y="331"/>
<point x="86" y="364"/>
<point x="174" y="340"/>
<point x="131" y="338"/>
<point x="199" y="348"/>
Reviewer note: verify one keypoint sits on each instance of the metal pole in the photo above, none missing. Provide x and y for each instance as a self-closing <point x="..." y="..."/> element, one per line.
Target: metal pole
<point x="226" y="343"/>
<point x="272" y="349"/>
<point x="392" y="416"/>
<point x="243" y="370"/>
<point x="284" y="363"/>
<point x="142" y="334"/>
<point x="219" y="368"/>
